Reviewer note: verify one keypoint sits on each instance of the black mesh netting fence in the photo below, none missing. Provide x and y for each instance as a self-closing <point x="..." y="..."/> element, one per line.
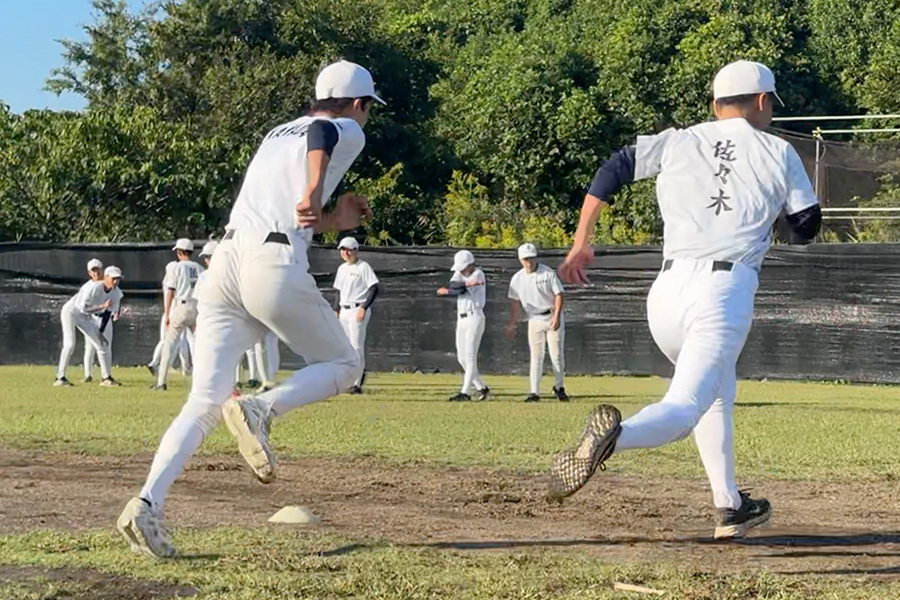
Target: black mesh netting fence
<point x="823" y="311"/>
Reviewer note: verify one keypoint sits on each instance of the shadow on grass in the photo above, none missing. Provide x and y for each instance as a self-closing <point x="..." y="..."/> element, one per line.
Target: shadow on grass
<point x="780" y="540"/>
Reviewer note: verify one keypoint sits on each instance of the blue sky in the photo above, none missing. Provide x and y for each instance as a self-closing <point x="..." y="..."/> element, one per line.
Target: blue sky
<point x="29" y="50"/>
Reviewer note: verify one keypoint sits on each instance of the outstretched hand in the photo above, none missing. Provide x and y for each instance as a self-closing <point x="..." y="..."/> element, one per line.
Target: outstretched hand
<point x="573" y="269"/>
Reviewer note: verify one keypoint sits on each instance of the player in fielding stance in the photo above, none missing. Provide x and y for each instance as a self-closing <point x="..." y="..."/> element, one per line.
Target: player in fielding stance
<point x="180" y="306"/>
<point x="469" y="286"/>
<point x="94" y="298"/>
<point x="720" y="186"/>
<point x="259" y="281"/>
<point x="357" y="286"/>
<point x="540" y="292"/>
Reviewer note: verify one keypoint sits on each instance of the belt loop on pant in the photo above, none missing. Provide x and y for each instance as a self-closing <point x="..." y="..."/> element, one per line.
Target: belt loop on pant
<point x="667" y="264"/>
<point x="463" y="315"/>
<point x="228" y="235"/>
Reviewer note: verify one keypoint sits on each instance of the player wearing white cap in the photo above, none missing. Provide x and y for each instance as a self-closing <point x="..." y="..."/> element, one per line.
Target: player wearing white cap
<point x="180" y="305"/>
<point x="94" y="297"/>
<point x="95" y="273"/>
<point x="182" y="346"/>
<point x="357" y="287"/>
<point x="259" y="281"/>
<point x="720" y="186"/>
<point x="469" y="286"/>
<point x="540" y="292"/>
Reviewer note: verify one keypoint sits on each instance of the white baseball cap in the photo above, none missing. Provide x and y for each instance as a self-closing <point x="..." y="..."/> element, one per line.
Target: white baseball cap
<point x="462" y="259"/>
<point x="527" y="250"/>
<point x="209" y="248"/>
<point x="349" y="243"/>
<point x="94" y="263"/>
<point x="744" y="77"/>
<point x="112" y="271"/>
<point x="184" y="244"/>
<point x="345" y="79"/>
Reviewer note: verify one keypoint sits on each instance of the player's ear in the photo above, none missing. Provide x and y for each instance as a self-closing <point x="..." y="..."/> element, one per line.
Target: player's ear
<point x="761" y="102"/>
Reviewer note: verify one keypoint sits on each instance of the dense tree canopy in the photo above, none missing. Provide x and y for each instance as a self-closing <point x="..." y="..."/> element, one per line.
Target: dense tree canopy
<point x="499" y="110"/>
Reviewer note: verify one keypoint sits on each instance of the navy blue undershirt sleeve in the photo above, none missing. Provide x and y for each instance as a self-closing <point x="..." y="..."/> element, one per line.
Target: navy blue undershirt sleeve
<point x="806" y="223"/>
<point x="321" y="135"/>
<point x="371" y="294"/>
<point x="615" y="172"/>
<point x="457" y="288"/>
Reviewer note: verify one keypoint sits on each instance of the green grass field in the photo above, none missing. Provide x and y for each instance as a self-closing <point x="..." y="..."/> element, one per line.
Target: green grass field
<point x="787" y="431"/>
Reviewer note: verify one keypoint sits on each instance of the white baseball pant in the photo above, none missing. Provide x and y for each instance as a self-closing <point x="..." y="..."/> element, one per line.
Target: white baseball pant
<point x="72" y="319"/>
<point x="263" y="360"/>
<point x="90" y="353"/>
<point x="541" y="336"/>
<point x="469" y="330"/>
<point x="356" y="332"/>
<point x="700" y="319"/>
<point x="184" y="344"/>
<point x="250" y="288"/>
<point x="182" y="318"/>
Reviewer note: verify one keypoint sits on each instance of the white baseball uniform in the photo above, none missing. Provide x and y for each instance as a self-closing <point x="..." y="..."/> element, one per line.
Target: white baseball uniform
<point x="77" y="313"/>
<point x="182" y="312"/>
<point x="104" y="321"/>
<point x="263" y="360"/>
<point x="537" y="293"/>
<point x="259" y="282"/>
<point x="353" y="283"/>
<point x="720" y="187"/>
<point x="184" y="342"/>
<point x="470" y="326"/>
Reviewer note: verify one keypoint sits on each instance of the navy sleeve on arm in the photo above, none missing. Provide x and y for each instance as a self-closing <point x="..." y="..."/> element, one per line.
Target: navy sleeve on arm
<point x="457" y="288"/>
<point x="371" y="294"/>
<point x="615" y="172"/>
<point x="806" y="223"/>
<point x="322" y="135"/>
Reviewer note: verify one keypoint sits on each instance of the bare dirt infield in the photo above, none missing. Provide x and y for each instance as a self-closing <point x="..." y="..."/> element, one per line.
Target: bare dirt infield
<point x="840" y="528"/>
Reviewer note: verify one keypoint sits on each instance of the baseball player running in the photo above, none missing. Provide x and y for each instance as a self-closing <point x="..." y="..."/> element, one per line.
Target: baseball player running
<point x="180" y="310"/>
<point x="540" y="292"/>
<point x="94" y="297"/>
<point x="720" y="186"/>
<point x="357" y="287"/>
<point x="469" y="286"/>
<point x="183" y="346"/>
<point x="259" y="281"/>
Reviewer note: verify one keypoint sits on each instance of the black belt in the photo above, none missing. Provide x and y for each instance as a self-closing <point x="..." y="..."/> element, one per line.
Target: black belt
<point x="718" y="265"/>
<point x="357" y="305"/>
<point x="275" y="237"/>
<point x="546" y="312"/>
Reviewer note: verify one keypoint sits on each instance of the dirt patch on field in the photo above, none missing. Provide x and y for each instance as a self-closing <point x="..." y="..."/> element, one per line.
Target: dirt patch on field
<point x="87" y="584"/>
<point x="846" y="529"/>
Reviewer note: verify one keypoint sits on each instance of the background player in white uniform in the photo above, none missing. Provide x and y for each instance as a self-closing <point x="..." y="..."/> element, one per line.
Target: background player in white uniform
<point x="259" y="281"/>
<point x="720" y="187"/>
<point x="94" y="297"/>
<point x="180" y="309"/>
<point x="469" y="286"/>
<point x="263" y="361"/>
<point x="183" y="346"/>
<point x="357" y="287"/>
<point x="95" y="273"/>
<point x="540" y="292"/>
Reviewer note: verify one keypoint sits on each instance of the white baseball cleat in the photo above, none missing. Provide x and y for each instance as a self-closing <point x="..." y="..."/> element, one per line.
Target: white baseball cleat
<point x="145" y="530"/>
<point x="249" y="424"/>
